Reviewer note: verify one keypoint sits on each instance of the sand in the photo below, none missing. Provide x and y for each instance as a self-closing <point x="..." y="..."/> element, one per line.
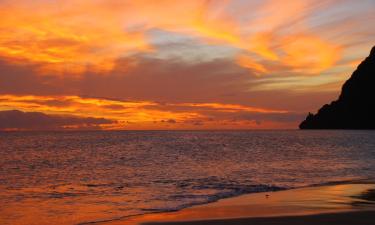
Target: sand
<point x="341" y="204"/>
<point x="348" y="218"/>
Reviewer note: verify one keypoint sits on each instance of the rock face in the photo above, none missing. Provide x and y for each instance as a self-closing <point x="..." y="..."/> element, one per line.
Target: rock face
<point x="355" y="108"/>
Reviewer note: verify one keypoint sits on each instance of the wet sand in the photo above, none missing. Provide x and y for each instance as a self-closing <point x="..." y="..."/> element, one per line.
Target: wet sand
<point x="341" y="204"/>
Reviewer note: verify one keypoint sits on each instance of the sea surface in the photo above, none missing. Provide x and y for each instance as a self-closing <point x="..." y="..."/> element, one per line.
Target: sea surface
<point x="87" y="177"/>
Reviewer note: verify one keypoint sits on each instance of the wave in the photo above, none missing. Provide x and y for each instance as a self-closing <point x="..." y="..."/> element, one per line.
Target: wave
<point x="228" y="191"/>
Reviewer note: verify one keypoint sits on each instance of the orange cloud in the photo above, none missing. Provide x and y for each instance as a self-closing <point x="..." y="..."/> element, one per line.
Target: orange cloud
<point x="15" y="120"/>
<point x="70" y="37"/>
<point x="247" y="62"/>
<point x="231" y="107"/>
<point x="261" y="44"/>
<point x="309" y="54"/>
<point x="62" y="38"/>
<point x="147" y="115"/>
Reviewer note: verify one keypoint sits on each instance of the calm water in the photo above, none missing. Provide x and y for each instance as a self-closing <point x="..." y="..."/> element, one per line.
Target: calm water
<point x="78" y="177"/>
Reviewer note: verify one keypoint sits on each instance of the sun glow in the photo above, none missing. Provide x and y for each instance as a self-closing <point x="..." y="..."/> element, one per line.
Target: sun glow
<point x="170" y="64"/>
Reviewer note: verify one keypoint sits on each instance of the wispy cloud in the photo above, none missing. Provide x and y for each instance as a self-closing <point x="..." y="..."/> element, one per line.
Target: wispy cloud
<point x="69" y="37"/>
<point x="74" y="111"/>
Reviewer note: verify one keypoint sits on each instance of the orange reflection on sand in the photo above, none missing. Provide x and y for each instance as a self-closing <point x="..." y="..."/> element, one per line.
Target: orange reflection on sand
<point x="305" y="201"/>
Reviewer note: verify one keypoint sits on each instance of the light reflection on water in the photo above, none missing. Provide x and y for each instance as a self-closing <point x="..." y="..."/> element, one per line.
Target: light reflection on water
<point x="74" y="177"/>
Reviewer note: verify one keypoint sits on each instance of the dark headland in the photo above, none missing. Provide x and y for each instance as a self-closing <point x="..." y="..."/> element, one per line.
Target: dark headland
<point x="355" y="108"/>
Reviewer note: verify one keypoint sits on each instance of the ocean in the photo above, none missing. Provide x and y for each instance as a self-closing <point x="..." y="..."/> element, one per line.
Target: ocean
<point x="83" y="177"/>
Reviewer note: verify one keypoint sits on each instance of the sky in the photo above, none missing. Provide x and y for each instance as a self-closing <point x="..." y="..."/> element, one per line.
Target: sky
<point x="168" y="64"/>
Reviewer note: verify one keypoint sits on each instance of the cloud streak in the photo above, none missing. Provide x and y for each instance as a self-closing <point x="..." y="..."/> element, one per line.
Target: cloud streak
<point x="77" y="112"/>
<point x="14" y="120"/>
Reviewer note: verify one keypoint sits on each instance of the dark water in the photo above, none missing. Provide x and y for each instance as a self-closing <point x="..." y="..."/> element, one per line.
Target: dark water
<point x="94" y="176"/>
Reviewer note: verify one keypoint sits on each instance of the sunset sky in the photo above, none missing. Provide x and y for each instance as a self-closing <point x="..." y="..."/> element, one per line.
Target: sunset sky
<point x="169" y="64"/>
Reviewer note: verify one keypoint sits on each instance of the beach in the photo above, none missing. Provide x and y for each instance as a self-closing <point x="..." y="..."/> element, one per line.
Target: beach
<point x="341" y="204"/>
<point x="196" y="112"/>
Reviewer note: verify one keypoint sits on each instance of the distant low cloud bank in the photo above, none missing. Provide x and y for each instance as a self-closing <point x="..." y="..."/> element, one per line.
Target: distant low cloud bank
<point x="18" y="120"/>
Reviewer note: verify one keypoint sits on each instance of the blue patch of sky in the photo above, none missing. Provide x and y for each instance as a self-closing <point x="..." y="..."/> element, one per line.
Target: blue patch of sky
<point x="340" y="13"/>
<point x="347" y="23"/>
<point x="171" y="45"/>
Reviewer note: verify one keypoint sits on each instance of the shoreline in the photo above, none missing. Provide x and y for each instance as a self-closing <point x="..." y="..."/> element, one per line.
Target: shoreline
<point x="334" y="202"/>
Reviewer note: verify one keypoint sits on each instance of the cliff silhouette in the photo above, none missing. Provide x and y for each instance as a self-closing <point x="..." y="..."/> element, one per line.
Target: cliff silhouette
<point x="355" y="108"/>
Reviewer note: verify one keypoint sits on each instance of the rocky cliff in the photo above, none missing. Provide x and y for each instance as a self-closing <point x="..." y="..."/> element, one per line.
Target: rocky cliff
<point x="355" y="108"/>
